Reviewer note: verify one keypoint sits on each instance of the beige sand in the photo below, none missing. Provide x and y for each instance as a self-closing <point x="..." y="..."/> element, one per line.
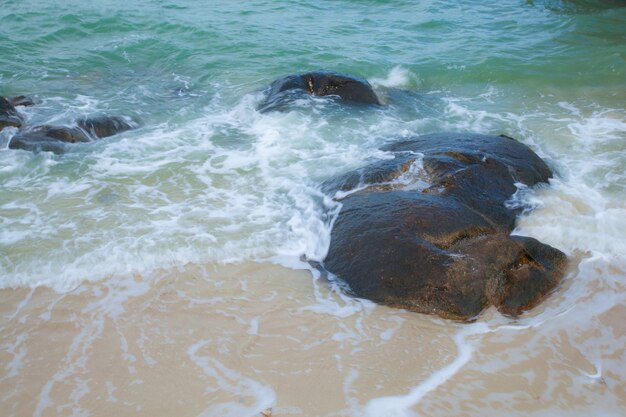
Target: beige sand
<point x="236" y="340"/>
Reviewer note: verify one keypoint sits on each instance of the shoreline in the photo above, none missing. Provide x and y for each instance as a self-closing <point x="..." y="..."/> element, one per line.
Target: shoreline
<point x="234" y="340"/>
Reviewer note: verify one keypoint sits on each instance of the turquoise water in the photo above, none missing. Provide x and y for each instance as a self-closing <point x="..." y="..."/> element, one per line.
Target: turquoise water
<point x="207" y="179"/>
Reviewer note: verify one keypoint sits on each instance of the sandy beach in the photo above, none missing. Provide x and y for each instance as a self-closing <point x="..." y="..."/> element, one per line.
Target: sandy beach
<point x="236" y="340"/>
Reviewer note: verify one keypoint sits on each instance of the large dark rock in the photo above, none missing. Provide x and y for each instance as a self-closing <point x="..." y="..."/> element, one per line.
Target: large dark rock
<point x="319" y="83"/>
<point x="443" y="247"/>
<point x="57" y="138"/>
<point x="9" y="117"/>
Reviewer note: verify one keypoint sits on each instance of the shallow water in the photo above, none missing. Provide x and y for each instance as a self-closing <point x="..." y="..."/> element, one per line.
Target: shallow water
<point x="237" y="340"/>
<point x="115" y="234"/>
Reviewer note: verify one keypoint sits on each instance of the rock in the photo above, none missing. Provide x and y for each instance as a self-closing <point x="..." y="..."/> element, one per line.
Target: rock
<point x="105" y="126"/>
<point x="536" y="270"/>
<point x="9" y="117"/>
<point x="57" y="138"/>
<point x="48" y="138"/>
<point x="479" y="170"/>
<point x="320" y="83"/>
<point x="445" y="247"/>
<point x="21" y="101"/>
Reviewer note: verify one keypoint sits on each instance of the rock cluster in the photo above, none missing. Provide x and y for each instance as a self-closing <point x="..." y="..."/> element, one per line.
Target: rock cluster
<point x="56" y="138"/>
<point x="444" y="247"/>
<point x="429" y="230"/>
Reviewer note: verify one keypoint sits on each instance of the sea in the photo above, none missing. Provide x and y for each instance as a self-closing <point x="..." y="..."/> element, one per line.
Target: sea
<point x="166" y="271"/>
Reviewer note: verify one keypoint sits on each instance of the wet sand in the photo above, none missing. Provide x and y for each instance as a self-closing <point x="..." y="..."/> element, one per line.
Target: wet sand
<point x="235" y="340"/>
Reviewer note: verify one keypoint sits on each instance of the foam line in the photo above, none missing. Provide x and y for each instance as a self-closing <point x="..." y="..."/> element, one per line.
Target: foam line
<point x="400" y="406"/>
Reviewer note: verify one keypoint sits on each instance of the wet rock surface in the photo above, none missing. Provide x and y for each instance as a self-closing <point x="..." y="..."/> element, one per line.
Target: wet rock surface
<point x="429" y="230"/>
<point x="105" y="126"/>
<point x="56" y="139"/>
<point x="21" y="101"/>
<point x="318" y="83"/>
<point x="9" y="117"/>
<point x="48" y="138"/>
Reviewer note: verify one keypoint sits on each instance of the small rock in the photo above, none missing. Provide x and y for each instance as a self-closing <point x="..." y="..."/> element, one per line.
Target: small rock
<point x="105" y="126"/>
<point x="9" y="117"/>
<point x="56" y="139"/>
<point x="48" y="138"/>
<point x="21" y="101"/>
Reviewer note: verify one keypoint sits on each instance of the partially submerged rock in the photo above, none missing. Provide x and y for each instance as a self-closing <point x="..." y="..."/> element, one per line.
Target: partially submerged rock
<point x="9" y="117"/>
<point x="57" y="138"/>
<point x="47" y="138"/>
<point x="319" y="83"/>
<point x="24" y="101"/>
<point x="444" y="247"/>
<point x="105" y="126"/>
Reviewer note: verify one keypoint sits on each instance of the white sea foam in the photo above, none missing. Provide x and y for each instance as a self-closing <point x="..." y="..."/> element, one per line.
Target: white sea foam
<point x="234" y="184"/>
<point x="228" y="380"/>
<point x="583" y="209"/>
<point x="108" y="306"/>
<point x="5" y="137"/>
<point x="335" y="302"/>
<point x="388" y="333"/>
<point x="18" y="350"/>
<point x="603" y="126"/>
<point x="400" y="405"/>
<point x="397" y="77"/>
